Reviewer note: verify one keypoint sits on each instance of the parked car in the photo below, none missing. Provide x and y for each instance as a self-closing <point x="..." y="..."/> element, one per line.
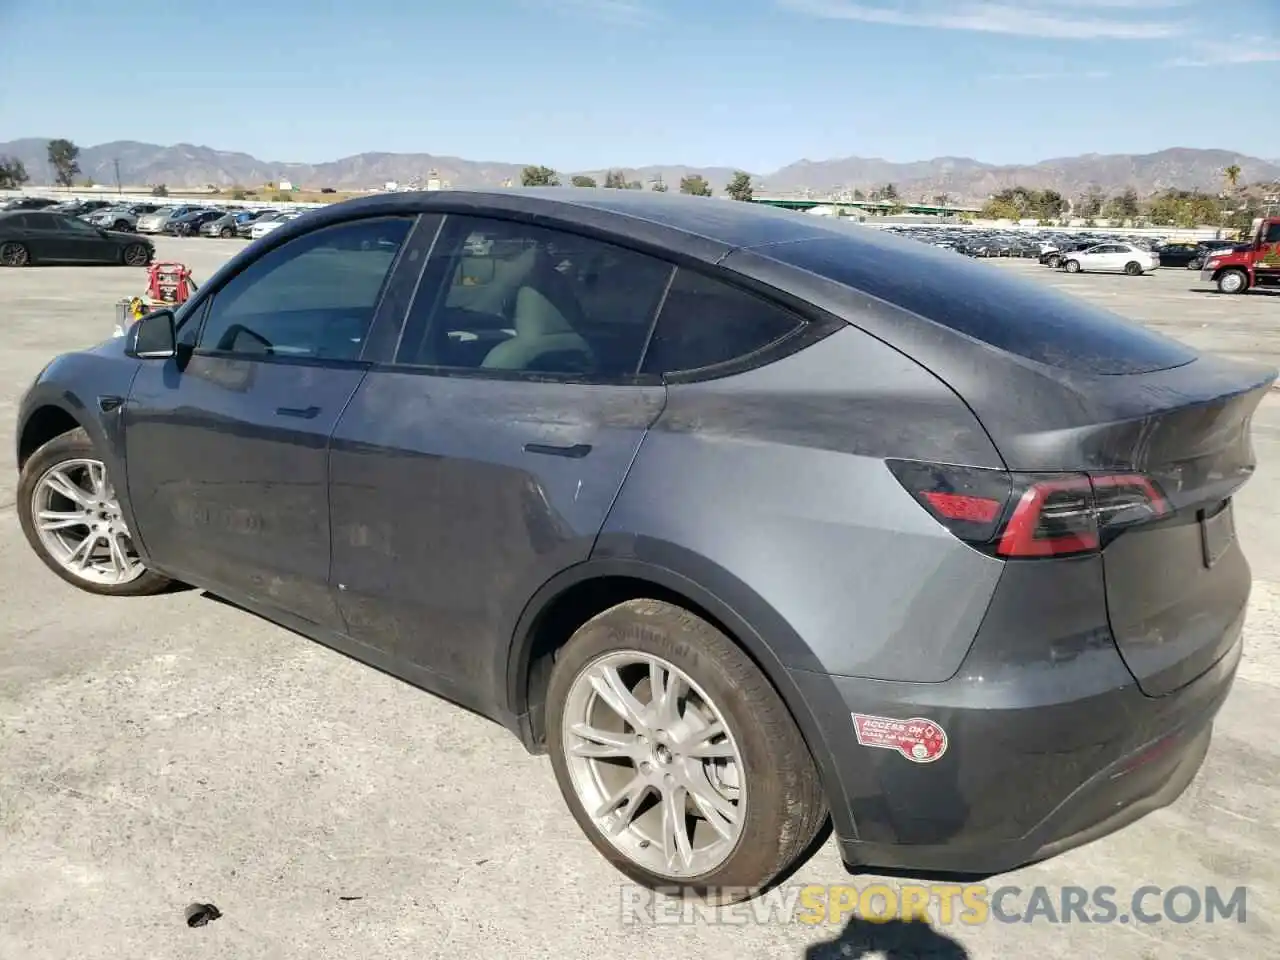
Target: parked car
<point x="244" y="230"/>
<point x="156" y="221"/>
<point x="122" y="218"/>
<point x="38" y="237"/>
<point x="1112" y="258"/>
<point x="28" y="203"/>
<point x="1179" y="254"/>
<point x="191" y="221"/>
<point x="745" y="519"/>
<point x="226" y="225"/>
<point x="262" y="227"/>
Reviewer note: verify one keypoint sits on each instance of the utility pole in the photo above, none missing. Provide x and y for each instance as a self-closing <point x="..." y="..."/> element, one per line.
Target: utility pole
<point x="116" y="161"/>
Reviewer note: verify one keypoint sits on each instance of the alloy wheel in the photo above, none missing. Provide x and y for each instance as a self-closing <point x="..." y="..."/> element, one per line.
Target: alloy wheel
<point x="13" y="255"/>
<point x="78" y="520"/>
<point x="135" y="255"/>
<point x="654" y="764"/>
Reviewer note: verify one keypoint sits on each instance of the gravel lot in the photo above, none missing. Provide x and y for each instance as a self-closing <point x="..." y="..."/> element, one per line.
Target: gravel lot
<point x="160" y="752"/>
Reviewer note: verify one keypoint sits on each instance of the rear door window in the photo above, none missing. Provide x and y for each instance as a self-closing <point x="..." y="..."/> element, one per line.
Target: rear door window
<point x="706" y="323"/>
<point x="1021" y="317"/>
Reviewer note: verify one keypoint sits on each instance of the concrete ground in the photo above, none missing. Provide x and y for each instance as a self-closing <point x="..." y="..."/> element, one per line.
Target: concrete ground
<point x="160" y="752"/>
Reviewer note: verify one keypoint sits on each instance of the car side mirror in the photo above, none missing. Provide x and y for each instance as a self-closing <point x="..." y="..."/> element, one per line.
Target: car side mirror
<point x="154" y="337"/>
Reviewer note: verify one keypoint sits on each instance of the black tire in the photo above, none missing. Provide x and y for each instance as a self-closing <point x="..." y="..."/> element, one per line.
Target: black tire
<point x="122" y="226"/>
<point x="136" y="255"/>
<point x="784" y="803"/>
<point x="1232" y="281"/>
<point x="226" y="233"/>
<point x="1054" y="261"/>
<point x="14" y="255"/>
<point x="1133" y="269"/>
<point x="73" y="445"/>
<point x="1072" y="266"/>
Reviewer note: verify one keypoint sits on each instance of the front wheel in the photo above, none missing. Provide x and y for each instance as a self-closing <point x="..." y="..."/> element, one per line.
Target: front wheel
<point x="226" y="233"/>
<point x="1233" y="281"/>
<point x="1073" y="266"/>
<point x="70" y="514"/>
<point x="136" y="255"/>
<point x="1133" y="269"/>
<point x="677" y="757"/>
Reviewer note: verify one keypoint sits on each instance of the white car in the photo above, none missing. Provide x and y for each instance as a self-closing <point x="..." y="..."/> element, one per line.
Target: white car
<point x="262" y="229"/>
<point x="1112" y="258"/>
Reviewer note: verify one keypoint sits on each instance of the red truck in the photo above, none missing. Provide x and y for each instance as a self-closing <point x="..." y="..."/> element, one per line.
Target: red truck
<point x="1256" y="264"/>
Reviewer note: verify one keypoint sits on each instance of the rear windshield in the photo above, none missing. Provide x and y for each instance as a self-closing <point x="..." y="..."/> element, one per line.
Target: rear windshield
<point x="1022" y="317"/>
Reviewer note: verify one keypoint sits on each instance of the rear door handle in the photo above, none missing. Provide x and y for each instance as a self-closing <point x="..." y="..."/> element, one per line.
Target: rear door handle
<point x="574" y="451"/>
<point x="305" y="413"/>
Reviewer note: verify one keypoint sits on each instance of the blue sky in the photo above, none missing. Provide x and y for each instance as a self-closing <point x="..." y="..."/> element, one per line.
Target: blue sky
<point x="580" y="84"/>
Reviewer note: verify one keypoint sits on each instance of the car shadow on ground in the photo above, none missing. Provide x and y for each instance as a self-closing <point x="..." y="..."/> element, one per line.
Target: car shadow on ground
<point x="1253" y="292"/>
<point x="892" y="940"/>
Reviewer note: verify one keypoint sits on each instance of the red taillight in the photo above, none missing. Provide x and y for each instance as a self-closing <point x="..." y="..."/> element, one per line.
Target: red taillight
<point x="1023" y="516"/>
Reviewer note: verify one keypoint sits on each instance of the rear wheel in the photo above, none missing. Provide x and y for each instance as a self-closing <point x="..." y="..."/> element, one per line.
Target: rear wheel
<point x="1073" y="266"/>
<point x="14" y="255"/>
<point x="1133" y="268"/>
<point x="676" y="756"/>
<point x="226" y="233"/>
<point x="1233" y="281"/>
<point x="136" y="255"/>
<point x="70" y="514"/>
<point x="121" y="225"/>
<point x="1054" y="261"/>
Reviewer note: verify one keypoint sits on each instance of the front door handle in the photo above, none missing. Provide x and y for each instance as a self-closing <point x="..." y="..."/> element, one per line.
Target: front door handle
<point x="304" y="413"/>
<point x="108" y="404"/>
<point x="574" y="451"/>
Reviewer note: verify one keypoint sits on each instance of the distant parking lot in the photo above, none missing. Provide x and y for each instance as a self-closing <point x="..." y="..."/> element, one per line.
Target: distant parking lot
<point x="161" y="752"/>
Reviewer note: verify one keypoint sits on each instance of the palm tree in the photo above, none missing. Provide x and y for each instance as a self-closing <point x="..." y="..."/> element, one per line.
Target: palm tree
<point x="1232" y="175"/>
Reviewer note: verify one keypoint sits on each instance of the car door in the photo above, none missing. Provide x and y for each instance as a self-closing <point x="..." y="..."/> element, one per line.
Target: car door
<point x="45" y="238"/>
<point x="1267" y="265"/>
<point x="85" y="242"/>
<point x="485" y="456"/>
<point x="227" y="452"/>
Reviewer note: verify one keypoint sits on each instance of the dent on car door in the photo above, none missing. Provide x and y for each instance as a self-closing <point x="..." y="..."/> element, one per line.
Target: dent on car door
<point x="227" y="452"/>
<point x="486" y="457"/>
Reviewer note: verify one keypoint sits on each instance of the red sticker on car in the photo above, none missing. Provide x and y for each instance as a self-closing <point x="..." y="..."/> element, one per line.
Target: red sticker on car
<point x="917" y="739"/>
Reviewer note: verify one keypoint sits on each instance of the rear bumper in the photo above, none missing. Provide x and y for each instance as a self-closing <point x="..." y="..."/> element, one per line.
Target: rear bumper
<point x="1041" y="755"/>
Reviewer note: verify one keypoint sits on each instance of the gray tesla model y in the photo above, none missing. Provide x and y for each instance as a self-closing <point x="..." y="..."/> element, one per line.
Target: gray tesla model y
<point x="746" y="518"/>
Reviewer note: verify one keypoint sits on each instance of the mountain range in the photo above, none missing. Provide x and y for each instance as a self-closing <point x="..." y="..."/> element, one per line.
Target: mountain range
<point x="960" y="178"/>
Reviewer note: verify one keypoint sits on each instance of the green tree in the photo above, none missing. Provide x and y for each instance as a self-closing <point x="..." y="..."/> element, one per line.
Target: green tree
<point x="888" y="192"/>
<point x="1050" y="204"/>
<point x="1232" y="176"/>
<point x="634" y="185"/>
<point x="64" y="157"/>
<point x="581" y="180"/>
<point x="859" y="195"/>
<point x="13" y="174"/>
<point x="159" y="190"/>
<point x="739" y="187"/>
<point x="615" y="180"/>
<point x="695" y="184"/>
<point x="1000" y="208"/>
<point x="539" y="177"/>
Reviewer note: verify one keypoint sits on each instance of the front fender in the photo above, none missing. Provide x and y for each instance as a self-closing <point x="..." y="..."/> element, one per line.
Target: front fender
<point x="91" y="388"/>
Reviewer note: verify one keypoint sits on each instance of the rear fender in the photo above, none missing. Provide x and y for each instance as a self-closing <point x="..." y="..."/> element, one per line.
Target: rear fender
<point x="749" y="620"/>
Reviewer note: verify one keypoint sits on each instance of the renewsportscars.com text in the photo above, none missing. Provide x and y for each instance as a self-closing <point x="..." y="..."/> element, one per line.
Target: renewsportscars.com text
<point x="941" y="904"/>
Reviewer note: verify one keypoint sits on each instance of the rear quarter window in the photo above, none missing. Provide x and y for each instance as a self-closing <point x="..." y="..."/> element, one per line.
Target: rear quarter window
<point x="1018" y="316"/>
